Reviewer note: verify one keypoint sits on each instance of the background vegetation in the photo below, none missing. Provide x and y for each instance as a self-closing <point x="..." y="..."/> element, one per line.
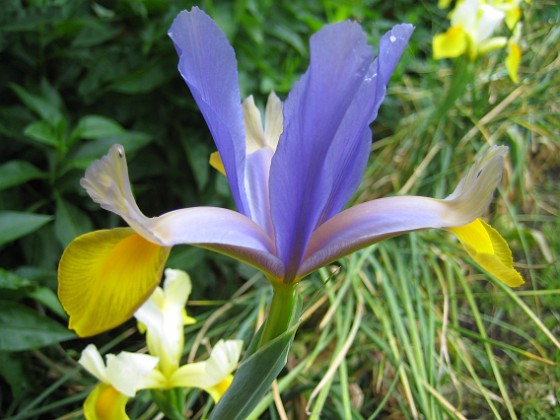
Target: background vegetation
<point x="409" y="327"/>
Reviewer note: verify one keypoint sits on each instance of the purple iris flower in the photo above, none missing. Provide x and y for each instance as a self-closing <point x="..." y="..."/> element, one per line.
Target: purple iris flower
<point x="290" y="179"/>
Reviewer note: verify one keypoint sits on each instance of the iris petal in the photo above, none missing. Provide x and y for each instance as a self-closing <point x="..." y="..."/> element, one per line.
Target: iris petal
<point x="489" y="250"/>
<point x="370" y="222"/>
<point x="313" y="112"/>
<point x="208" y="65"/>
<point x="221" y="230"/>
<point x="214" y="374"/>
<point x="105" y="403"/>
<point x="104" y="276"/>
<point x="450" y="44"/>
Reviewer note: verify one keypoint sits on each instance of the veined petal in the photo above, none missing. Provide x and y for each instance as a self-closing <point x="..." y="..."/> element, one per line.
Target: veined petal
<point x="373" y="221"/>
<point x="104" y="276"/>
<point x="208" y="65"/>
<point x="213" y="373"/>
<point x="489" y="250"/>
<point x="221" y="230"/>
<point x="348" y="154"/>
<point x="105" y="403"/>
<point x="313" y="112"/>
<point x="107" y="183"/>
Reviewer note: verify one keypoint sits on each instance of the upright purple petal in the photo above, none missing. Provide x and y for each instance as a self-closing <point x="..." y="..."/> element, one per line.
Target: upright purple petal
<point x="324" y="148"/>
<point x="207" y="63"/>
<point x="313" y="111"/>
<point x="348" y="155"/>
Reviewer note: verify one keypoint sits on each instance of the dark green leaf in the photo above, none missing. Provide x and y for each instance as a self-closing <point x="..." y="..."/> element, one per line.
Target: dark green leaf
<point x="42" y="132"/>
<point x="11" y="369"/>
<point x="17" y="172"/>
<point x="15" y="224"/>
<point x="41" y="106"/>
<point x="22" y="328"/>
<point x="92" y="150"/>
<point x="253" y="378"/>
<point x="49" y="299"/>
<point x="69" y="222"/>
<point x="96" y="127"/>
<point x="141" y="81"/>
<point x="12" y="285"/>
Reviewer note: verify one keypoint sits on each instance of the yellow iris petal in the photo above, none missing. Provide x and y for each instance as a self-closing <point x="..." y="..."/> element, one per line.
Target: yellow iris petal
<point x="218" y="390"/>
<point x="104" y="276"/>
<point x="105" y="403"/>
<point x="489" y="250"/>
<point x="452" y="43"/>
<point x="513" y="60"/>
<point x="513" y="15"/>
<point x="216" y="162"/>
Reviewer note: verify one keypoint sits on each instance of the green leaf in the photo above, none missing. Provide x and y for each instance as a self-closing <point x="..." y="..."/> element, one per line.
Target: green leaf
<point x="70" y="222"/>
<point x="49" y="299"/>
<point x="88" y="152"/>
<point x="41" y="106"/>
<point x="12" y="370"/>
<point x="17" y="172"/>
<point x="42" y="132"/>
<point x="141" y="81"/>
<point x="12" y="281"/>
<point x="253" y="378"/>
<point x="96" y="127"/>
<point x="23" y="329"/>
<point x="15" y="224"/>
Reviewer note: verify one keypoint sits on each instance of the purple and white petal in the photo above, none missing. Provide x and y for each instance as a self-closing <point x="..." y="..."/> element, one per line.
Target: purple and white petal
<point x="370" y="222"/>
<point x="208" y="65"/>
<point x="221" y="230"/>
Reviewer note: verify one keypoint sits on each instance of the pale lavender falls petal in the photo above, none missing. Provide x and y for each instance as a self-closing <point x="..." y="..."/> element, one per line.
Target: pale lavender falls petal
<point x="220" y="230"/>
<point x="370" y="222"/>
<point x="208" y="65"/>
<point x="323" y="151"/>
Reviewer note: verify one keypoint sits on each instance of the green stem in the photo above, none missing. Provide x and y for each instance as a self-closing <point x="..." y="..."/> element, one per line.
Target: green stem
<point x="280" y="314"/>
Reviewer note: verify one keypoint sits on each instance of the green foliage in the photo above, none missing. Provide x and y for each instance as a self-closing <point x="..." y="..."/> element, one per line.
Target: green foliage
<point x="402" y="329"/>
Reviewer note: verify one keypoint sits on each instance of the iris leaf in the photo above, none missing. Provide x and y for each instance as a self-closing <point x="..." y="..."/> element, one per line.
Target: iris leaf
<point x="256" y="373"/>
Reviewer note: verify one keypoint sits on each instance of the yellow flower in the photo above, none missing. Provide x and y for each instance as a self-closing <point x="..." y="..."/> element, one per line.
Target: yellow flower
<point x="120" y="379"/>
<point x="473" y="23"/>
<point x="163" y="316"/>
<point x="213" y="375"/>
<point x="489" y="250"/>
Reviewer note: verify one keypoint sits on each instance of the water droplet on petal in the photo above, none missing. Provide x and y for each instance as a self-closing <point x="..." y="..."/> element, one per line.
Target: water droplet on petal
<point x="392" y="38"/>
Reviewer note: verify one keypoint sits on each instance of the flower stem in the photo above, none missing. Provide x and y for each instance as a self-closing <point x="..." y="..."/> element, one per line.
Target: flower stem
<point x="280" y="313"/>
